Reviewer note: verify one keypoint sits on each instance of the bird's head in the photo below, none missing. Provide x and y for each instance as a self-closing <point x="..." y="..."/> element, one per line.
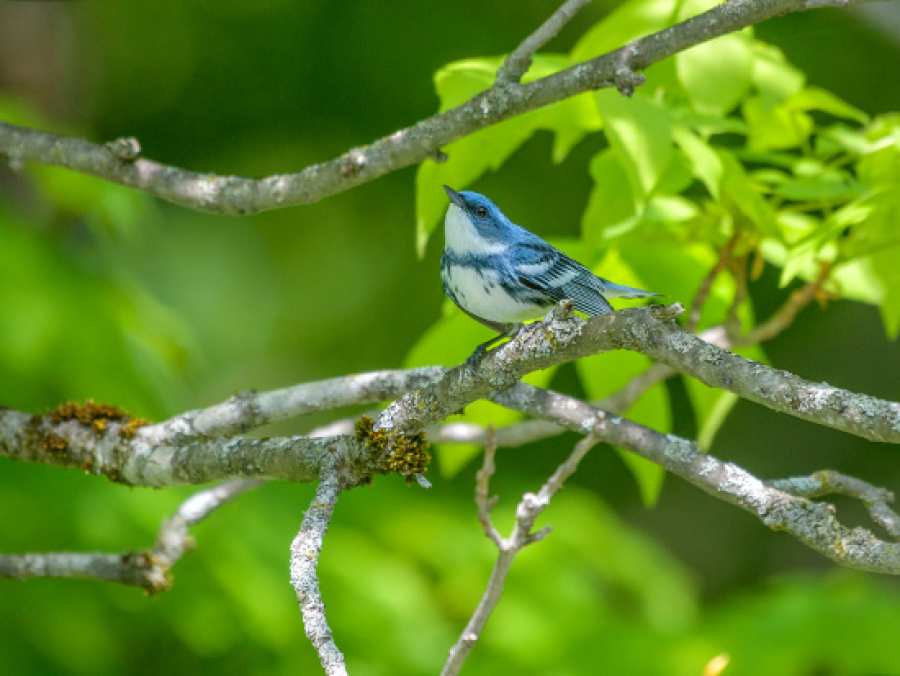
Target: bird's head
<point x="474" y="215"/>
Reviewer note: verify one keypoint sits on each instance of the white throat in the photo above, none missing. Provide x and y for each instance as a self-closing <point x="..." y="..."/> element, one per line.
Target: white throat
<point x="461" y="237"/>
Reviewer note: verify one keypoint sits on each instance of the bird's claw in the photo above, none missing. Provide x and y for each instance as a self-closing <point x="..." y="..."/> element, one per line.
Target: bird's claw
<point x="475" y="358"/>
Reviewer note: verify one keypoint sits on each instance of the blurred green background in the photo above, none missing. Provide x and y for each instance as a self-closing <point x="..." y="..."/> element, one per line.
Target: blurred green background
<point x="109" y="294"/>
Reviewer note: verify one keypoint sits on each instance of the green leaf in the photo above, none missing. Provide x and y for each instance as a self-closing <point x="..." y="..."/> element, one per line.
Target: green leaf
<point x="842" y="138"/>
<point x="829" y="185"/>
<point x="703" y="161"/>
<point x="857" y="280"/>
<point x="711" y="408"/>
<point x="677" y="270"/>
<point x="628" y="21"/>
<point x="716" y="75"/>
<point x="605" y="374"/>
<point x="467" y="160"/>
<point x="670" y="209"/>
<point x="773" y="76"/>
<point x="775" y="127"/>
<point x="639" y="131"/>
<point x="887" y="272"/>
<point x="815" y="98"/>
<point x="611" y="201"/>
<point x="749" y="205"/>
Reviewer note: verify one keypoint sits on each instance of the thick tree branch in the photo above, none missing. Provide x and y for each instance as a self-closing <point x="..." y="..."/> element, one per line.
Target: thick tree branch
<point x="141" y="461"/>
<point x="150" y="569"/>
<point x="183" y="458"/>
<point x="414" y="144"/>
<point x="650" y="331"/>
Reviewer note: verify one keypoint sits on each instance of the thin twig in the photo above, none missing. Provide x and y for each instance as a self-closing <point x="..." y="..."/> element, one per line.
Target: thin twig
<point x="786" y="314"/>
<point x="702" y="294"/>
<point x="151" y="569"/>
<point x="829" y="482"/>
<point x="527" y="512"/>
<point x="732" y="324"/>
<point x="519" y="61"/>
<point x="483" y="501"/>
<point x="305" y="551"/>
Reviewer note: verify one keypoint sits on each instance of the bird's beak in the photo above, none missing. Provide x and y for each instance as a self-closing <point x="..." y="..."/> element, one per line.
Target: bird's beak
<point x="455" y="197"/>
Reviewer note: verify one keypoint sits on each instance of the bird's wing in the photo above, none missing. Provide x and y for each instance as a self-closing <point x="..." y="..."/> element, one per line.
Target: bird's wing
<point x="543" y="268"/>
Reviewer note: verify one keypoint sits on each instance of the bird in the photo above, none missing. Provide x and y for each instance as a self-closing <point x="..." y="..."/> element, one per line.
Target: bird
<point x="502" y="275"/>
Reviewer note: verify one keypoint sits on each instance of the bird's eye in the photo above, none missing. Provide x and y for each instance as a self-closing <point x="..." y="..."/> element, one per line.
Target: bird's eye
<point x="481" y="212"/>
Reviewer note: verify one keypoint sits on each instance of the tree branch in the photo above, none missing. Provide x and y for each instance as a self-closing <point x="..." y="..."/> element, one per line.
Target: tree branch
<point x="249" y="410"/>
<point x="812" y="523"/>
<point x="305" y="551"/>
<point x="150" y="569"/>
<point x="829" y="482"/>
<point x="412" y="145"/>
<point x="527" y="512"/>
<point x="182" y="458"/>
<point x="519" y="61"/>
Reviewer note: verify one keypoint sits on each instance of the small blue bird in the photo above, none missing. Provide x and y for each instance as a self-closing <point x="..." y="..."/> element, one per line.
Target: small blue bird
<point x="502" y="275"/>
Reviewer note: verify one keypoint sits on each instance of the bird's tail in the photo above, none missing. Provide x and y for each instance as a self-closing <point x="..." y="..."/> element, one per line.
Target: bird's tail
<point x="614" y="290"/>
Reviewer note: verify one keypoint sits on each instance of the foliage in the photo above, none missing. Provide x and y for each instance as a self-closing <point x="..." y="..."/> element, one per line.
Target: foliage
<point x="108" y="295"/>
<point x="725" y="140"/>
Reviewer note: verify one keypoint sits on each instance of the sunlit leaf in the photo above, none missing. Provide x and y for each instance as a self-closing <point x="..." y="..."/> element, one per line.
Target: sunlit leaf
<point x="773" y="76"/>
<point x="705" y="164"/>
<point x="639" y="131"/>
<point x="749" y="203"/>
<point x="611" y="200"/>
<point x="717" y="74"/>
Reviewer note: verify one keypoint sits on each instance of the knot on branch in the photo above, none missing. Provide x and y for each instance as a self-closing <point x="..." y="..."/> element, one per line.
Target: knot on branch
<point x="126" y="149"/>
<point x="353" y="162"/>
<point x="625" y="78"/>
<point x="149" y="571"/>
<point x="392" y="451"/>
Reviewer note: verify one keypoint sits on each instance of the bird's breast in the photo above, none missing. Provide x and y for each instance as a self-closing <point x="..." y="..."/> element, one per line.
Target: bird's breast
<point x="479" y="291"/>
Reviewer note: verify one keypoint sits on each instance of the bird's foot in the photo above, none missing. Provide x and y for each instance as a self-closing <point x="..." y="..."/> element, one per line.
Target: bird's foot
<point x="475" y="358"/>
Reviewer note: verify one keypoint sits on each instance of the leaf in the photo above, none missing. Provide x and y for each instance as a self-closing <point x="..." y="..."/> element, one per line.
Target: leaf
<point x="748" y="202"/>
<point x="604" y="374"/>
<point x="773" y="76"/>
<point x="823" y="188"/>
<point x="716" y="75"/>
<point x="775" y="127"/>
<point x="702" y="160"/>
<point x="630" y="20"/>
<point x="467" y="160"/>
<point x="639" y="131"/>
<point x="611" y="200"/>
<point x="816" y="98"/>
<point x="712" y="406"/>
